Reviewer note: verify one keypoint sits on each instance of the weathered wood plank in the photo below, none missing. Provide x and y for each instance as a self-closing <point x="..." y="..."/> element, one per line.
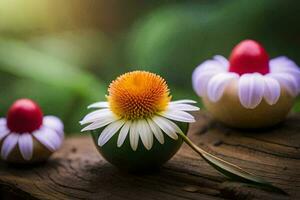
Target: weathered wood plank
<point x="77" y="171"/>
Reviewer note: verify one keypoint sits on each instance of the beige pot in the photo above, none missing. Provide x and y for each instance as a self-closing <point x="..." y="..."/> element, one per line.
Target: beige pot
<point x="40" y="154"/>
<point x="230" y="111"/>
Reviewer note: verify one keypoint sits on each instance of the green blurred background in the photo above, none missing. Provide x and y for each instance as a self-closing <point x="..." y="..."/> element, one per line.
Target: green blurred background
<point x="63" y="54"/>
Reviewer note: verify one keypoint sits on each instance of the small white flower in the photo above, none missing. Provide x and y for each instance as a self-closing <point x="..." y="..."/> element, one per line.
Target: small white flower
<point x="25" y="123"/>
<point x="211" y="78"/>
<point x="138" y="107"/>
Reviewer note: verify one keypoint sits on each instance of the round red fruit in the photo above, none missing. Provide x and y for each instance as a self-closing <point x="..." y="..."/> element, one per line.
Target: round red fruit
<point x="24" y="116"/>
<point x="249" y="57"/>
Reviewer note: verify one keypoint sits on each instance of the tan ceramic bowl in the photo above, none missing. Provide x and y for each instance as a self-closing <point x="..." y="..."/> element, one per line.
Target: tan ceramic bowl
<point x="230" y="111"/>
<point x="40" y="154"/>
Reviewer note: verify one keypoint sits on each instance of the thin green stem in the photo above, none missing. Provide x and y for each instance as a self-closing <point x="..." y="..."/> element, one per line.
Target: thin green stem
<point x="204" y="153"/>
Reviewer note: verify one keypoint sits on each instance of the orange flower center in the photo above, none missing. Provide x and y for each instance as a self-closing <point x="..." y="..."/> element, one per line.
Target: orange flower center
<point x="138" y="94"/>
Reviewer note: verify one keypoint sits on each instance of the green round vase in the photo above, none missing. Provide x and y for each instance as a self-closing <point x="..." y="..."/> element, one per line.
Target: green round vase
<point x="141" y="160"/>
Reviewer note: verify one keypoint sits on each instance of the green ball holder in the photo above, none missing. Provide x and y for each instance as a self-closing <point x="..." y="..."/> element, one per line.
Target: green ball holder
<point x="141" y="160"/>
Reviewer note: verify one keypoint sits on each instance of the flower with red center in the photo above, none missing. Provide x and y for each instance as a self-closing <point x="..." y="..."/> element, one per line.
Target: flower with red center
<point x="248" y="90"/>
<point x="257" y="77"/>
<point x="25" y="124"/>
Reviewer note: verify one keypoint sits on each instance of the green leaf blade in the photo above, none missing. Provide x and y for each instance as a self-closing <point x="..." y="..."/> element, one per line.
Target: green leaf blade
<point x="230" y="170"/>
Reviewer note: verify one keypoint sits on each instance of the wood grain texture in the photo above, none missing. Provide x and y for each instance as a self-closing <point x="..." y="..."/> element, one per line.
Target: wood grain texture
<point x="77" y="171"/>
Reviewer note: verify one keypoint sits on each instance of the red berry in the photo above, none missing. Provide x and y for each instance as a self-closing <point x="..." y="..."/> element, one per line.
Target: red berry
<point x="248" y="57"/>
<point x="24" y="116"/>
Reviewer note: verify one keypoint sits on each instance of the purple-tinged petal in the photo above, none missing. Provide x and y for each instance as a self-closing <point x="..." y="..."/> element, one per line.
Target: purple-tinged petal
<point x="210" y="65"/>
<point x="217" y="85"/>
<point x="222" y="60"/>
<point x="49" y="138"/>
<point x="3" y="132"/>
<point x="201" y="82"/>
<point x="288" y="81"/>
<point x="2" y="121"/>
<point x="9" y="144"/>
<point x="203" y="73"/>
<point x="3" y="128"/>
<point x="251" y="90"/>
<point x="54" y="123"/>
<point x="272" y="90"/>
<point x="26" y="145"/>
<point x="283" y="64"/>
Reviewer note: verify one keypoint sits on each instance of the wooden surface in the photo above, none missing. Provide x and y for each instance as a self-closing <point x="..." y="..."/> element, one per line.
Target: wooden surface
<point x="77" y="171"/>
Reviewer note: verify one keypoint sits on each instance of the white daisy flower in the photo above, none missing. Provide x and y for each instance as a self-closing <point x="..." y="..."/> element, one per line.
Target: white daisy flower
<point x="24" y="124"/>
<point x="138" y="107"/>
<point x="258" y="77"/>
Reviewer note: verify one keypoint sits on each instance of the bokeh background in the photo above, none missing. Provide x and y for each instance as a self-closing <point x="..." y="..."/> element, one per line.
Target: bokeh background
<point x="63" y="54"/>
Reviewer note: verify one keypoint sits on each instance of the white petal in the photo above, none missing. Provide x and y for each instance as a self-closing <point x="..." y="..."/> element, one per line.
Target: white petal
<point x="217" y="85"/>
<point x="3" y="131"/>
<point x="288" y="81"/>
<point x="55" y="123"/>
<point x="182" y="101"/>
<point x="109" y="131"/>
<point x="222" y="60"/>
<point x="49" y="138"/>
<point x="123" y="133"/>
<point x="167" y="126"/>
<point x="156" y="131"/>
<point x="99" y="124"/>
<point x="2" y="121"/>
<point x="251" y="89"/>
<point x="96" y="116"/>
<point x="178" y="115"/>
<point x="183" y="107"/>
<point x="145" y="133"/>
<point x="283" y="64"/>
<point x="201" y="81"/>
<point x="272" y="90"/>
<point x="9" y="144"/>
<point x="134" y="136"/>
<point x="3" y="128"/>
<point x="204" y="72"/>
<point x="213" y="65"/>
<point x="26" y="145"/>
<point x="101" y="104"/>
